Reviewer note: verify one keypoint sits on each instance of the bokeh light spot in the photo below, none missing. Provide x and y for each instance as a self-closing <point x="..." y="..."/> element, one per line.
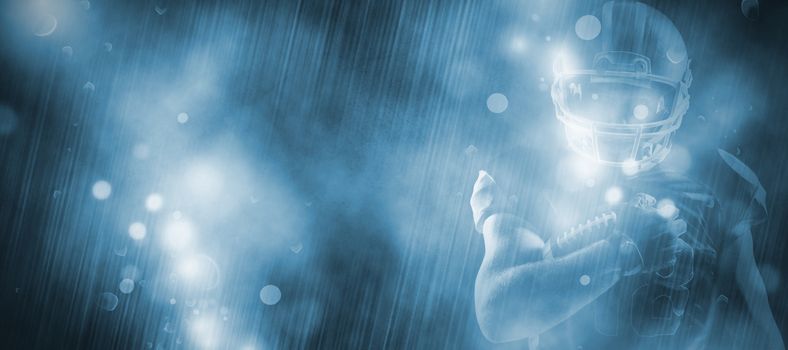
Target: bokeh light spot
<point x="204" y="180"/>
<point x="137" y="231"/>
<point x="667" y="209"/>
<point x="630" y="167"/>
<point x="154" y="202"/>
<point x="205" y="332"/>
<point x="585" y="280"/>
<point x="518" y="44"/>
<point x="101" y="190"/>
<point x="640" y="112"/>
<point x="108" y="301"/>
<point x="614" y="195"/>
<point x="497" y="103"/>
<point x="199" y="271"/>
<point x="270" y="295"/>
<point x="178" y="234"/>
<point x="44" y="25"/>
<point x="126" y="286"/>
<point x="588" y="27"/>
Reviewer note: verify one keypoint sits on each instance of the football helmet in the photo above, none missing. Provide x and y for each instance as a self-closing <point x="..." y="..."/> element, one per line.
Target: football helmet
<point x="621" y="85"/>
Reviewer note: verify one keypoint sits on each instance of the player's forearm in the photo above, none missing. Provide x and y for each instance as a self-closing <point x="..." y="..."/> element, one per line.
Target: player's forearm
<point x="526" y="300"/>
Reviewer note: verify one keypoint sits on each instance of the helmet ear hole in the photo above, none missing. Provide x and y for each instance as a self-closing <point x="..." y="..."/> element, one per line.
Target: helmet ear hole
<point x="641" y="66"/>
<point x="604" y="64"/>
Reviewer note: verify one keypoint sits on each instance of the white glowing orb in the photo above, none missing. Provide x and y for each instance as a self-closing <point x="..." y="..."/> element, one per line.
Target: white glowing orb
<point x="270" y="295"/>
<point x="199" y="271"/>
<point x="204" y="180"/>
<point x="588" y="27"/>
<point x="205" y="331"/>
<point x="585" y="280"/>
<point x="137" y="231"/>
<point x="497" y="103"/>
<point x="518" y="44"/>
<point x="126" y="286"/>
<point x="182" y="118"/>
<point x="614" y="195"/>
<point x="584" y="168"/>
<point x="667" y="209"/>
<point x="641" y="112"/>
<point x="178" y="235"/>
<point x="101" y="190"/>
<point x="630" y="167"/>
<point x="578" y="172"/>
<point x="154" y="202"/>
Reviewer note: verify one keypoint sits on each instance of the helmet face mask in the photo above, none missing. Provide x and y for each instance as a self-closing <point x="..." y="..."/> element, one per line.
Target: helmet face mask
<point x="621" y="108"/>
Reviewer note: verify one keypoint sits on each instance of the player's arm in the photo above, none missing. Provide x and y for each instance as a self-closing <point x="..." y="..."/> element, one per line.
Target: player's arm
<point x="750" y="284"/>
<point x="520" y="295"/>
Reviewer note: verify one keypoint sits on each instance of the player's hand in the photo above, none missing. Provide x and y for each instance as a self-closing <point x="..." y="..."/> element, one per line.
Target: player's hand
<point x="657" y="236"/>
<point x="676" y="259"/>
<point x="641" y="221"/>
